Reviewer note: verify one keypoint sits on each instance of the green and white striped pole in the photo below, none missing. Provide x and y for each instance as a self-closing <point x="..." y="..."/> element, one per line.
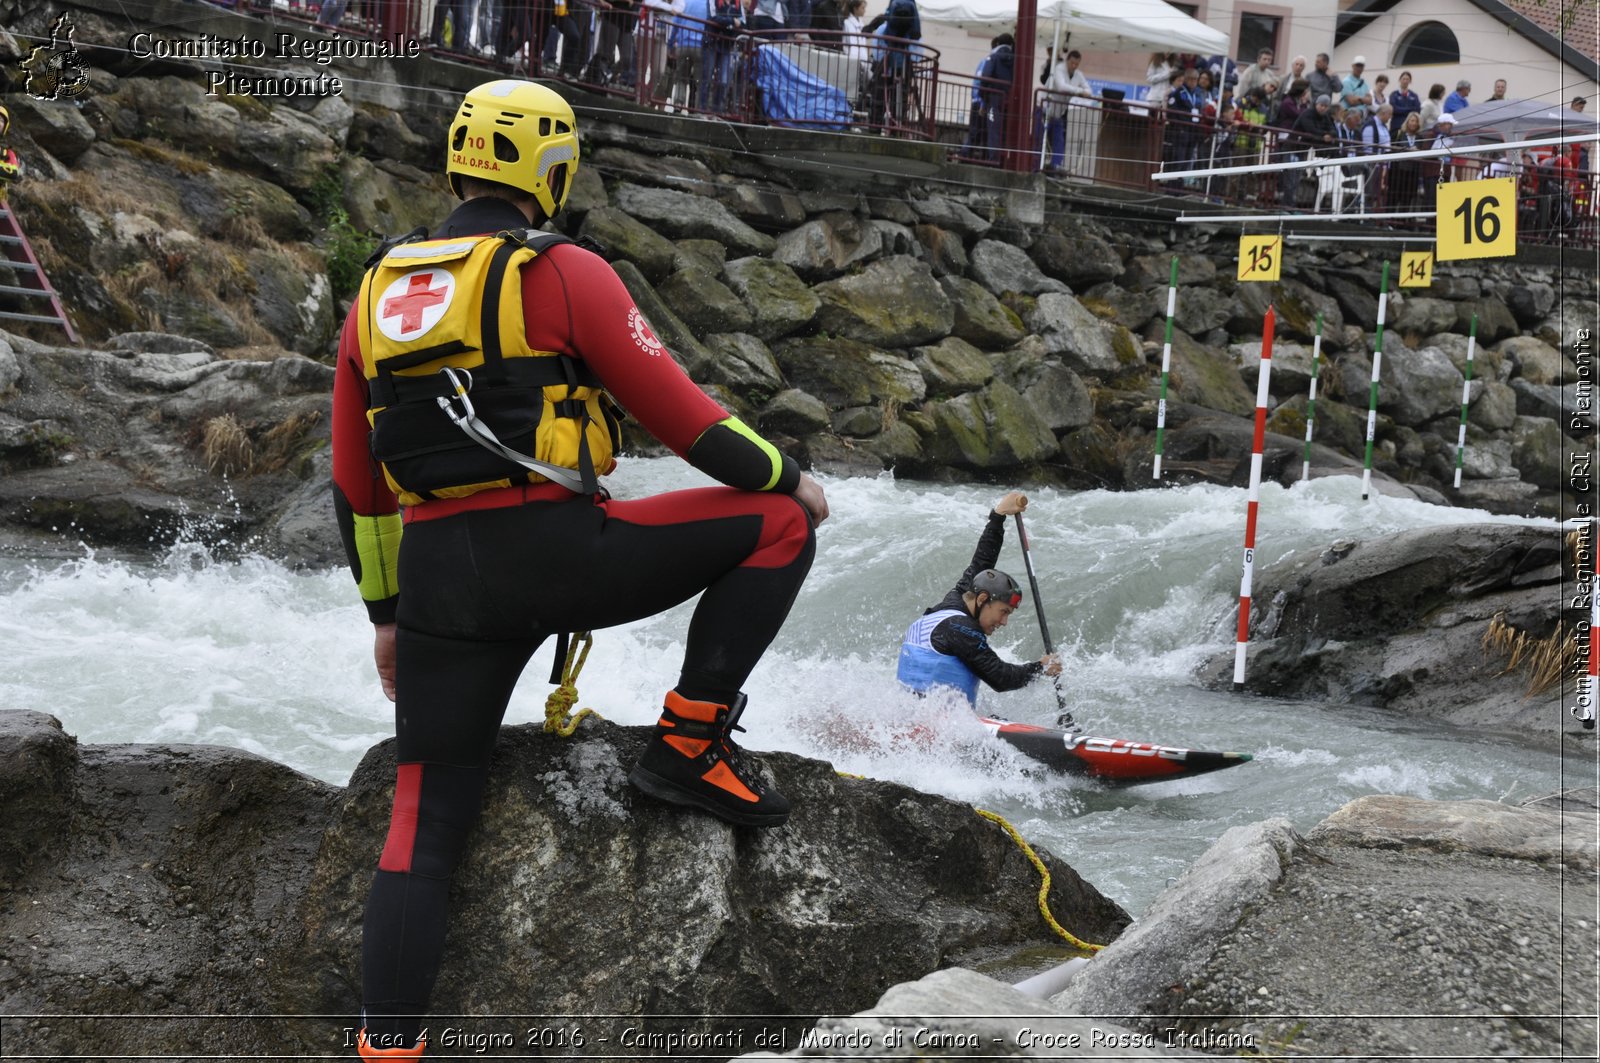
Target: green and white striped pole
<point x="1372" y="400"/>
<point x="1311" y="403"/>
<point x="1166" y="367"/>
<point x="1466" y="387"/>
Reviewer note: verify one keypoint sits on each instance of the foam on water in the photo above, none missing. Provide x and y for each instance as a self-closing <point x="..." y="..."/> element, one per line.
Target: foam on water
<point x="1139" y="588"/>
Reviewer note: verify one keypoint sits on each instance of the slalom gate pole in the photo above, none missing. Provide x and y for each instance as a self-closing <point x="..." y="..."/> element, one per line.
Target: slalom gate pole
<point x="1466" y="387"/>
<point x="1372" y="399"/>
<point x="1044" y="625"/>
<point x="1251" y="507"/>
<point x="1586" y="712"/>
<point x="1311" y="403"/>
<point x="1166" y="367"/>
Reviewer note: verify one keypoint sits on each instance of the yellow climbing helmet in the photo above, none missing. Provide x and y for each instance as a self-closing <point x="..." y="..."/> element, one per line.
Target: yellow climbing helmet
<point x="5" y="120"/>
<point x="516" y="133"/>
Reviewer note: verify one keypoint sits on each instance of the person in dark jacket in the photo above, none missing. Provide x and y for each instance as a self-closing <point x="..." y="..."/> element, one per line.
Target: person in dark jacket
<point x="948" y="646"/>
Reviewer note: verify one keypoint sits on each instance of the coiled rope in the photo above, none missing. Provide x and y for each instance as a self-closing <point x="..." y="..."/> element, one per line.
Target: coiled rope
<point x="564" y="696"/>
<point x="1044" y="886"/>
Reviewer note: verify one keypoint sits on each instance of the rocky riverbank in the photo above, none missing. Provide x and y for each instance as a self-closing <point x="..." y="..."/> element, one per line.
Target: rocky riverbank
<point x="1453" y="930"/>
<point x="168" y="880"/>
<point x="938" y="324"/>
<point x="160" y="881"/>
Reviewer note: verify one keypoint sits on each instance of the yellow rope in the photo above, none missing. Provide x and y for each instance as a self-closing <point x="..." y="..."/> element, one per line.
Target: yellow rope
<point x="563" y="697"/>
<point x="1044" y="887"/>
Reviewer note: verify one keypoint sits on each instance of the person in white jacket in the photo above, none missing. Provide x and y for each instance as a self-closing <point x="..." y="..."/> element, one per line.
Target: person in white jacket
<point x="1067" y="87"/>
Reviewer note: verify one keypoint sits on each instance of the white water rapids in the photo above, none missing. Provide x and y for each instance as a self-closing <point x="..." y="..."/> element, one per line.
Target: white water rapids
<point x="1138" y="588"/>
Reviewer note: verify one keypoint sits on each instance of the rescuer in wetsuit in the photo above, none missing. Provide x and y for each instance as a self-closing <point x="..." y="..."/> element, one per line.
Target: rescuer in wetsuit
<point x="496" y="556"/>
<point x="948" y="646"/>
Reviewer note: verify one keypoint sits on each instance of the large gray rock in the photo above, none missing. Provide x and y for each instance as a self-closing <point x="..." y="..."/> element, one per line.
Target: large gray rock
<point x="1537" y="452"/>
<point x="955" y="1013"/>
<point x="704" y="303"/>
<point x="952" y="366"/>
<point x="793" y="413"/>
<point x="1494" y="406"/>
<point x="1530" y="301"/>
<point x="942" y="250"/>
<point x="257" y="876"/>
<point x="1420" y="315"/>
<point x="1000" y="267"/>
<point x="1076" y="257"/>
<point x="1398" y="621"/>
<point x="845" y="372"/>
<point x="1199" y="311"/>
<point x="1495" y="322"/>
<point x="1075" y="335"/>
<point x="1485" y="886"/>
<point x="392" y="197"/>
<point x="1489" y="459"/>
<point x="894" y="302"/>
<point x="948" y="214"/>
<point x="295" y="306"/>
<point x="58" y="127"/>
<point x="1291" y="366"/>
<point x="1537" y="362"/>
<point x="1150" y="271"/>
<point x="779" y="301"/>
<point x="1172" y="944"/>
<point x="1205" y="377"/>
<point x="683" y="214"/>
<point x="980" y="318"/>
<point x="829" y="245"/>
<point x="1418" y="385"/>
<point x="1060" y="396"/>
<point x="623" y="238"/>
<point x="995" y="428"/>
<point x="1562" y="326"/>
<point x="743" y="363"/>
<point x="1295" y="308"/>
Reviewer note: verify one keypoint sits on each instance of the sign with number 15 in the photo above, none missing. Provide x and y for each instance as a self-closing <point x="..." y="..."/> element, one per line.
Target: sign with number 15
<point x="1260" y="258"/>
<point x="1476" y="219"/>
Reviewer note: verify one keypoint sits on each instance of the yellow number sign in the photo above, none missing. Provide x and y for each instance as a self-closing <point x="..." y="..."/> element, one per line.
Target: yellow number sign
<point x="1416" y="269"/>
<point x="1476" y="219"/>
<point x="1260" y="258"/>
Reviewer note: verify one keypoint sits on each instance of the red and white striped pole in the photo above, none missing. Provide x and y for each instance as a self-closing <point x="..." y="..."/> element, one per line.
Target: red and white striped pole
<point x="1256" y="448"/>
<point x="1585" y="709"/>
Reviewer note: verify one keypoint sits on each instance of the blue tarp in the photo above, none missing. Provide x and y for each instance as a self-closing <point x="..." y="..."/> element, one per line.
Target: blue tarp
<point x="792" y="97"/>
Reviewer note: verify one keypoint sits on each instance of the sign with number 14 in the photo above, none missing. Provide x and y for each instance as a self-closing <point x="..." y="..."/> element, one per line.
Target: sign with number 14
<point x="1416" y="269"/>
<point x="1260" y="258"/>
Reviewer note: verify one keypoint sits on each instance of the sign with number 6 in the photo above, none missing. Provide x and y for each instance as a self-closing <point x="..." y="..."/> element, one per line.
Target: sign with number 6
<point x="1476" y="219"/>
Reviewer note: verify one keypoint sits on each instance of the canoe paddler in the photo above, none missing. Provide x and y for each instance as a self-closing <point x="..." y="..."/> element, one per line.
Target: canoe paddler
<point x="948" y="645"/>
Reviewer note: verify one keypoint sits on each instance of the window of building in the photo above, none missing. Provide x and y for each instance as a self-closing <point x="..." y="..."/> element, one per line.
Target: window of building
<point x="1429" y="42"/>
<point x="1192" y="10"/>
<point x="1255" y="33"/>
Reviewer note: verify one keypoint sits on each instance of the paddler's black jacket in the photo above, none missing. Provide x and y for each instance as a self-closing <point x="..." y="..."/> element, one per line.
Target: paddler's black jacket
<point x="962" y="638"/>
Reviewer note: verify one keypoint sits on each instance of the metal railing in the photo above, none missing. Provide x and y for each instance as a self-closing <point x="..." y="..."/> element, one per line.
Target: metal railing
<point x="842" y="82"/>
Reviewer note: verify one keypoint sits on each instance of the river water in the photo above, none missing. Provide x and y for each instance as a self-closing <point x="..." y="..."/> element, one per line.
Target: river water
<point x="1139" y="588"/>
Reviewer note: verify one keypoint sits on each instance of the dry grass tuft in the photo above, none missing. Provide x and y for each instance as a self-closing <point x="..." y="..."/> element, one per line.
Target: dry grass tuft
<point x="227" y="447"/>
<point x="284" y="442"/>
<point x="1544" y="661"/>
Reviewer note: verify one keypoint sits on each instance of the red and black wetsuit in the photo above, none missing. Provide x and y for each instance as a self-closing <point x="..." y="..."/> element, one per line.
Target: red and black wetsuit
<point x="481" y="581"/>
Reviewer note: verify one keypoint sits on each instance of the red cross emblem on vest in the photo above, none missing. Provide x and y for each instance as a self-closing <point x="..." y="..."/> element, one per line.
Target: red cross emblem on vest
<point x="414" y="303"/>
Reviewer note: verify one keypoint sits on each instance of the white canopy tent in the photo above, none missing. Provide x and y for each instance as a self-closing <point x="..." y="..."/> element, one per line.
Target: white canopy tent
<point x="1092" y="25"/>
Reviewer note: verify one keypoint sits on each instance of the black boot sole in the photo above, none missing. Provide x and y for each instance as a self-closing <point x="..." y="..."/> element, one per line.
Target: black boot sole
<point x="663" y="789"/>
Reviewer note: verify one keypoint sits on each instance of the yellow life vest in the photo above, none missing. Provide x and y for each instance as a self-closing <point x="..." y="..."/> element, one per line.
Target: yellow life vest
<point x="459" y="403"/>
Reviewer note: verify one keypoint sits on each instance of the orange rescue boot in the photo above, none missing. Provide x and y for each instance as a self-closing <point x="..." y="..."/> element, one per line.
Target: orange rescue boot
<point x="368" y="1050"/>
<point x="692" y="760"/>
